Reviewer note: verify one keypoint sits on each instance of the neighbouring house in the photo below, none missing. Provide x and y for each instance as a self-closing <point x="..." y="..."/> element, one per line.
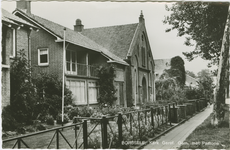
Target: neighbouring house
<point x="126" y="47"/>
<point x="190" y="81"/>
<point x="160" y="66"/>
<point x="163" y="64"/>
<point x="15" y="37"/>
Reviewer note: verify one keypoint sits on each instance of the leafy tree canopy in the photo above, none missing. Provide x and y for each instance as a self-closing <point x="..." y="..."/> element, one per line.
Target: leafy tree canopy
<point x="206" y="83"/>
<point x="107" y="89"/>
<point x="177" y="70"/>
<point x="201" y="22"/>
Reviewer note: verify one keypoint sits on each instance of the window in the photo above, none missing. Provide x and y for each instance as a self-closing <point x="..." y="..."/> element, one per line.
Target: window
<point x="71" y="61"/>
<point x="143" y="56"/>
<point x="43" y="57"/>
<point x="78" y="89"/>
<point x="4" y="32"/>
<point x="13" y="49"/>
<point x="92" y="92"/>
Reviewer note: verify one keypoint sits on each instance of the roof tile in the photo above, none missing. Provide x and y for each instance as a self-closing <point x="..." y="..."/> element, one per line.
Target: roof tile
<point x="116" y="39"/>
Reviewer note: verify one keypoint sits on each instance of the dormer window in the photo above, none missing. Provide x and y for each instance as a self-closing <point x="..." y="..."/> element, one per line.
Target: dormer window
<point x="43" y="57"/>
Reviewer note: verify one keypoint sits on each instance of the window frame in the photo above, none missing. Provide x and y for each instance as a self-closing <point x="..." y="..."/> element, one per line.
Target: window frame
<point x="92" y="87"/>
<point x="71" y="62"/>
<point x="143" y="53"/>
<point x="75" y="101"/>
<point x="13" y="50"/>
<point x="39" y="58"/>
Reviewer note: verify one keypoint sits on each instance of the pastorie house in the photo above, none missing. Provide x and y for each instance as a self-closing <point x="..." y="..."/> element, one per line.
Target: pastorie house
<point x="126" y="47"/>
<point x="15" y="37"/>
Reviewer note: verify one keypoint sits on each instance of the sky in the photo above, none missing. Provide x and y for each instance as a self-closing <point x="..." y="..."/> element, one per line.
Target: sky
<point x="99" y="14"/>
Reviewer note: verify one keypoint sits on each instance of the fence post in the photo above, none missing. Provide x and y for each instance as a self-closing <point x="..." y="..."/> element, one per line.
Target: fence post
<point x="85" y="134"/>
<point x="174" y="112"/>
<point x="152" y="120"/>
<point x="169" y="115"/>
<point x="131" y="123"/>
<point x="145" y="116"/>
<point x="19" y="143"/>
<point x="162" y="114"/>
<point x="57" y="139"/>
<point x="139" y="126"/>
<point x="75" y="128"/>
<point x="104" y="132"/>
<point x="119" y="122"/>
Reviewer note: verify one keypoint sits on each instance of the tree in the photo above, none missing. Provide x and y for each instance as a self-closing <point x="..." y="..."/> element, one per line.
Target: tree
<point x="177" y="70"/>
<point x="22" y="93"/>
<point x="205" y="84"/>
<point x="201" y="22"/>
<point x="208" y="25"/>
<point x="223" y="70"/>
<point x="106" y="86"/>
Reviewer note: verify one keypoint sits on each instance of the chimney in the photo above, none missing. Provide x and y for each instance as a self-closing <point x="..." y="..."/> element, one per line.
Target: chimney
<point x="141" y="18"/>
<point x="78" y="27"/>
<point x="24" y="6"/>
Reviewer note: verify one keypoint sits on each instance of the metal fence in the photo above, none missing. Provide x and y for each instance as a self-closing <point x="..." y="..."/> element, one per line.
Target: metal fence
<point x="119" y="131"/>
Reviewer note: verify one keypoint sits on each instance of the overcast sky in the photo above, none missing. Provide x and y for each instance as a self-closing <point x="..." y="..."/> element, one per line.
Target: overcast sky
<point x="99" y="14"/>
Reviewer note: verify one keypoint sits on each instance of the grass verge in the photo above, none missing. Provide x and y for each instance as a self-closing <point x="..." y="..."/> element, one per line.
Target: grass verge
<point x="206" y="136"/>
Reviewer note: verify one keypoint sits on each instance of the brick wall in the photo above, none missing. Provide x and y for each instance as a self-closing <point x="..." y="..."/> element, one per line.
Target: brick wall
<point x="6" y="71"/>
<point x="42" y="39"/>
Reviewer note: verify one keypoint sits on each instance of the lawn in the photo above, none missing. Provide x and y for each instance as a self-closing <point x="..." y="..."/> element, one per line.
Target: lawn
<point x="206" y="136"/>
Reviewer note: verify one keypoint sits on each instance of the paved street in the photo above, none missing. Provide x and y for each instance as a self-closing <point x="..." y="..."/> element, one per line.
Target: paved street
<point x="175" y="137"/>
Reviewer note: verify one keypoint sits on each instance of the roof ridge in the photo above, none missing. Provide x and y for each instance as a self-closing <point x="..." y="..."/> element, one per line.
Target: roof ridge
<point x="12" y="17"/>
<point x="110" y="26"/>
<point x="33" y="15"/>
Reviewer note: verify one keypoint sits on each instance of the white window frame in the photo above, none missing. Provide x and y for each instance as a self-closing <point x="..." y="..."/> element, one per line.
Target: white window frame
<point x="39" y="61"/>
<point x="13" y="43"/>
<point x="85" y="91"/>
<point x="71" y="62"/>
<point x="92" y="102"/>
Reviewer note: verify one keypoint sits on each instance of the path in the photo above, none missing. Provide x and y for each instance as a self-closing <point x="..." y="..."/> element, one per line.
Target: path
<point x="172" y="139"/>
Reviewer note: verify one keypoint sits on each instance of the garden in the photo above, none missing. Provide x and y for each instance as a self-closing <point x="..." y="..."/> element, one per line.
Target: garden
<point x="34" y="115"/>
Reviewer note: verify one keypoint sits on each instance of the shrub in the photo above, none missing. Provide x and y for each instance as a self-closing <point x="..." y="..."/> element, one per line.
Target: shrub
<point x="8" y="121"/>
<point x="73" y="112"/>
<point x="65" y="119"/>
<point x="192" y="93"/>
<point x="50" y="120"/>
<point x="21" y="130"/>
<point x="107" y="89"/>
<point x="86" y="111"/>
<point x="30" y="128"/>
<point x="22" y="93"/>
<point x="49" y="95"/>
<point x="40" y="127"/>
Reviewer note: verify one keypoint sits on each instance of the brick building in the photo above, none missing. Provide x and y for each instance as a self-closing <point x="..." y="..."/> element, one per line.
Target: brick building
<point x="125" y="46"/>
<point x="15" y="36"/>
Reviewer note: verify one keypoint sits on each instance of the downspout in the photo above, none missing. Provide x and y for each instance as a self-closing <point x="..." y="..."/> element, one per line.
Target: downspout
<point x="63" y="78"/>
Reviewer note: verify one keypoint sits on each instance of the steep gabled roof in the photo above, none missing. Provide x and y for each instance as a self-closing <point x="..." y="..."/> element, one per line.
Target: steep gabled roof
<point x="71" y="36"/>
<point x="12" y="19"/>
<point x="161" y="65"/>
<point x="117" y="39"/>
<point x="190" y="80"/>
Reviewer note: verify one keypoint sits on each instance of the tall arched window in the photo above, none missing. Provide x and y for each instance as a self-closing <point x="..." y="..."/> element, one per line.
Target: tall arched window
<point x="143" y="56"/>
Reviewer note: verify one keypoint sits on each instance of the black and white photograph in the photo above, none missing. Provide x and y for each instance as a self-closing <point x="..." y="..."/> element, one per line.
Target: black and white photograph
<point x="115" y="74"/>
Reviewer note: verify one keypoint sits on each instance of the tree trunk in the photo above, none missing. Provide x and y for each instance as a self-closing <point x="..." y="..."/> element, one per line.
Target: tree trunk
<point x="219" y="99"/>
